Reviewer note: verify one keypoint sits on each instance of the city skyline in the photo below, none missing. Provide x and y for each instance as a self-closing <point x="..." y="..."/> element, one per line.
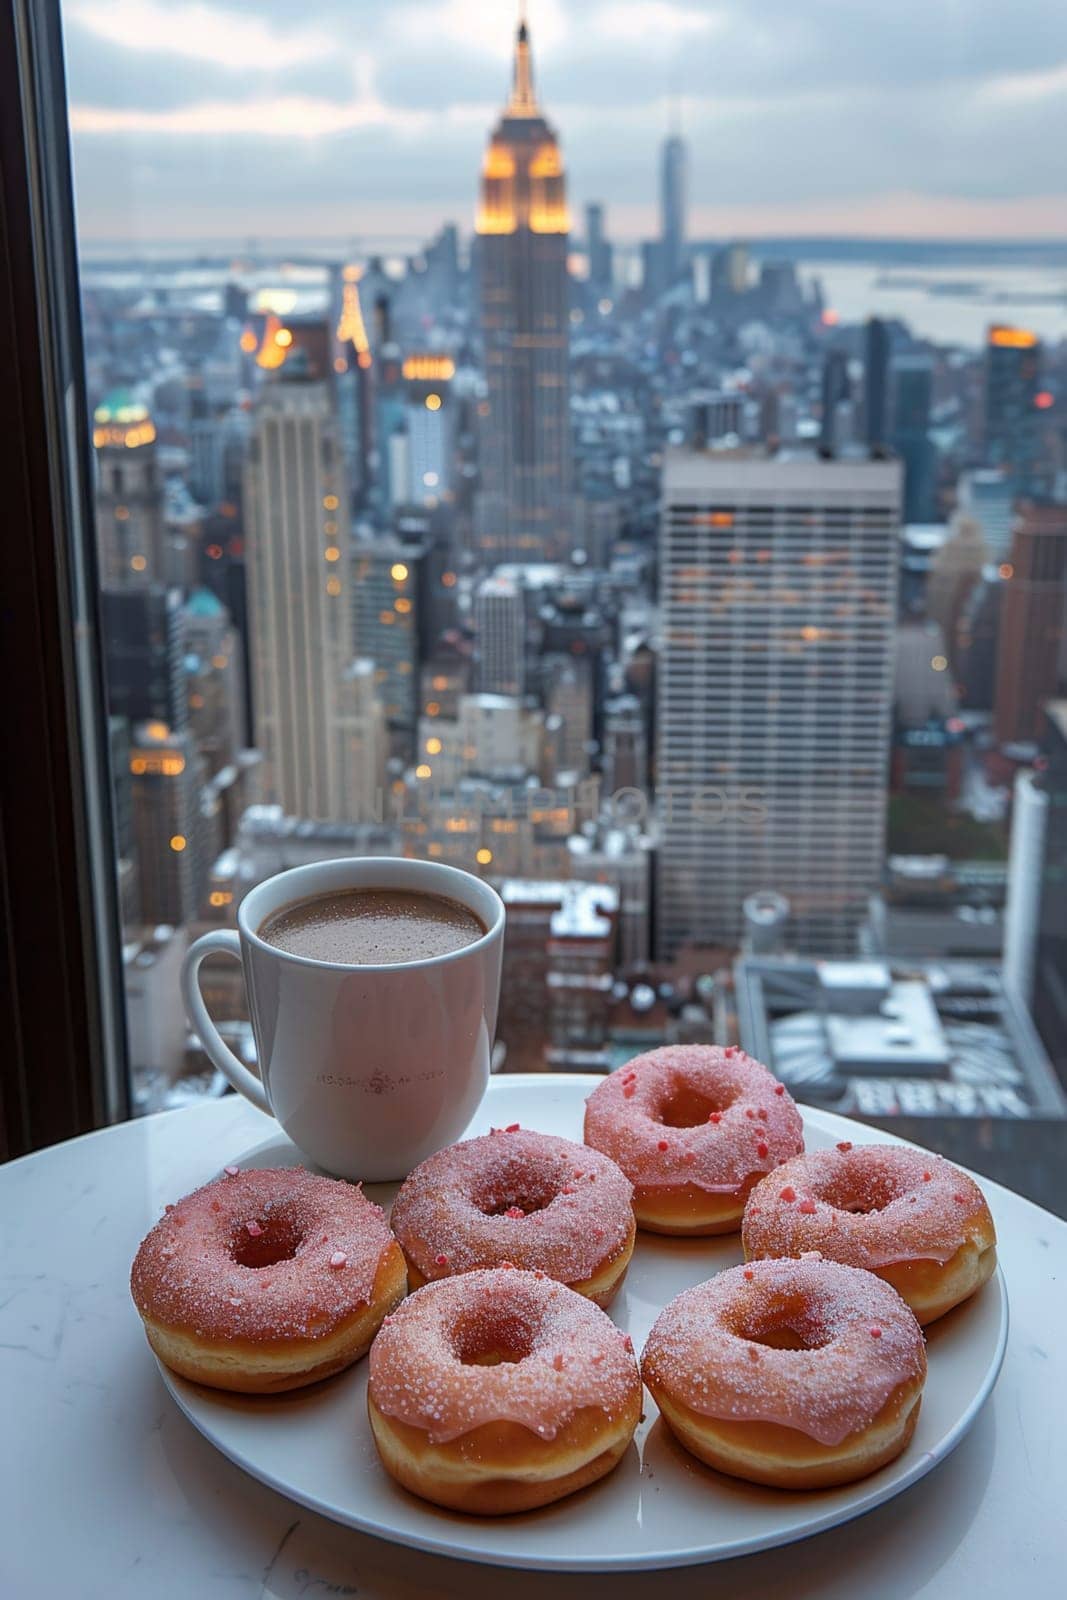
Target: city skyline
<point x="209" y="120"/>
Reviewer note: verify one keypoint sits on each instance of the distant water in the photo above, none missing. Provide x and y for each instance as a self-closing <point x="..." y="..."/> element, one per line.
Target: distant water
<point x="950" y="304"/>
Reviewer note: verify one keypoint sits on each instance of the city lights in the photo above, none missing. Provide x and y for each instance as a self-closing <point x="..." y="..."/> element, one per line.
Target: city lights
<point x="530" y="535"/>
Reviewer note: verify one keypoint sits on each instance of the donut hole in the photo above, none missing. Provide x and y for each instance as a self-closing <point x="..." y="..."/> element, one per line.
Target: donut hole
<point x="520" y="1190"/>
<point x="686" y="1107"/>
<point x="480" y="1341"/>
<point x="861" y="1198"/>
<point x="790" y="1325"/>
<point x="278" y="1240"/>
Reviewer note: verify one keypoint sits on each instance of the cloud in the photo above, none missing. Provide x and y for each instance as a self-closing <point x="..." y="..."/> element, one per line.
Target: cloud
<point x="197" y="31"/>
<point x="196" y="113"/>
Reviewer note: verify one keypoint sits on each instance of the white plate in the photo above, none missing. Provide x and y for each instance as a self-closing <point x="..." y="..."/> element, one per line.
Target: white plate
<point x="660" y="1507"/>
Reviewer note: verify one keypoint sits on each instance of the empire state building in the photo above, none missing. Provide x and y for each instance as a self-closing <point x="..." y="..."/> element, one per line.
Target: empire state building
<point x="524" y="510"/>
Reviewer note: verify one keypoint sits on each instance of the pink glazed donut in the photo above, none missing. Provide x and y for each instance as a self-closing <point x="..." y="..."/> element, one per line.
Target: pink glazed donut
<point x="799" y="1374"/>
<point x="522" y="1199"/>
<point x="266" y="1280"/>
<point x="499" y="1391"/>
<point x="693" y="1127"/>
<point x="912" y="1218"/>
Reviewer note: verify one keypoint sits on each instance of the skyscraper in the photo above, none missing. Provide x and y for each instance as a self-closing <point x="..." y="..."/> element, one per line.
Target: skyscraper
<point x="672" y="199"/>
<point x="1031" y="623"/>
<point x="912" y="381"/>
<point x="774" y="693"/>
<point x="296" y="503"/>
<point x="165" y="773"/>
<point x="523" y="224"/>
<point x="430" y="429"/>
<point x="499" y="625"/>
<point x="836" y="394"/>
<point x="875" y="382"/>
<point x="1013" y="360"/>
<point x="386" y="627"/>
<point x="144" y="644"/>
<point x="597" y="246"/>
<point x="129" y="494"/>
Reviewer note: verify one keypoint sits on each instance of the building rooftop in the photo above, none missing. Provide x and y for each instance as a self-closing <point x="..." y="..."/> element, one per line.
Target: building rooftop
<point x="897" y="1038"/>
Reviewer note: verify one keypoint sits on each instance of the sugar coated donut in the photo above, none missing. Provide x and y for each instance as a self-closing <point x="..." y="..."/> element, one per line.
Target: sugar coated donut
<point x="798" y="1374"/>
<point x="501" y="1390"/>
<point x="912" y="1218"/>
<point x="524" y="1198"/>
<point x="693" y="1127"/>
<point x="266" y="1280"/>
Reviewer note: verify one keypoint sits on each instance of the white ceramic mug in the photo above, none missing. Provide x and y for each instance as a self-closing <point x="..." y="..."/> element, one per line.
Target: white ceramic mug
<point x="369" y="1069"/>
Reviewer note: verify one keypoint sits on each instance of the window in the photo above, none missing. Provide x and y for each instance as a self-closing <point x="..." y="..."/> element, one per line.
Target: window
<point x="777" y="502"/>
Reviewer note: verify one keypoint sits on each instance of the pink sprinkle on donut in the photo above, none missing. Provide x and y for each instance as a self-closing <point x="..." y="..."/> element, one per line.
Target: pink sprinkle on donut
<point x="690" y="1158"/>
<point x="441" y="1261"/>
<point x="749" y="1274"/>
<point x="512" y="1127"/>
<point x="338" y="1260"/>
<point x="753" y="1353"/>
<point x="788" y="1194"/>
<point x="715" y="1116"/>
<point x="253" y="1229"/>
<point x="762" y="1113"/>
<point x="559" y="1363"/>
<point x="629" y="1091"/>
<point x="231" y="1172"/>
<point x="960" y="1199"/>
<point x="845" y="1146"/>
<point x="779" y="1088"/>
<point x="750" y="1114"/>
<point x="168" y="1209"/>
<point x="927" y="1176"/>
<point x="876" y="1333"/>
<point x="514" y="1211"/>
<point x="730" y="1051"/>
<point x="662" y="1145"/>
<point x="807" y="1206"/>
<point x="215" y="1206"/>
<point x="627" y="1342"/>
<point x="763" y="1150"/>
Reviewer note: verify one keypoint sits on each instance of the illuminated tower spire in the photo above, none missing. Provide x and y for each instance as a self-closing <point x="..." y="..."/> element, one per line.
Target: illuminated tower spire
<point x="524" y="511"/>
<point x="523" y="102"/>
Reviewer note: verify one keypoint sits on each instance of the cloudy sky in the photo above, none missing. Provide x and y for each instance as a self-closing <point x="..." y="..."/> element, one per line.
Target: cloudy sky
<point x="356" y="119"/>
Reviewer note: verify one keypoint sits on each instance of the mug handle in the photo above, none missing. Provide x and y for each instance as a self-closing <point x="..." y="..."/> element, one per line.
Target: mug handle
<point x="225" y="942"/>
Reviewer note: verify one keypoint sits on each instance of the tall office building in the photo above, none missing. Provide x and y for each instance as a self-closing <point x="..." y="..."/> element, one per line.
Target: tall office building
<point x="912" y="385"/>
<point x="1013" y="361"/>
<point x="129" y="494"/>
<point x="365" y="740"/>
<point x="386" y="627"/>
<point x="597" y="247"/>
<point x="500" y="635"/>
<point x="774" y="691"/>
<point x="297" y="527"/>
<point x="430" y="430"/>
<point x="986" y="495"/>
<point x="144" y="654"/>
<point x="523" y="224"/>
<point x="165" y="812"/>
<point x="1031" y="623"/>
<point x="672" y="204"/>
<point x="875" y="383"/>
<point x="836" y="395"/>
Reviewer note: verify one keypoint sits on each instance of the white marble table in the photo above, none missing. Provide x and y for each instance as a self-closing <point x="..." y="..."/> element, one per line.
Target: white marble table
<point x="107" y="1491"/>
